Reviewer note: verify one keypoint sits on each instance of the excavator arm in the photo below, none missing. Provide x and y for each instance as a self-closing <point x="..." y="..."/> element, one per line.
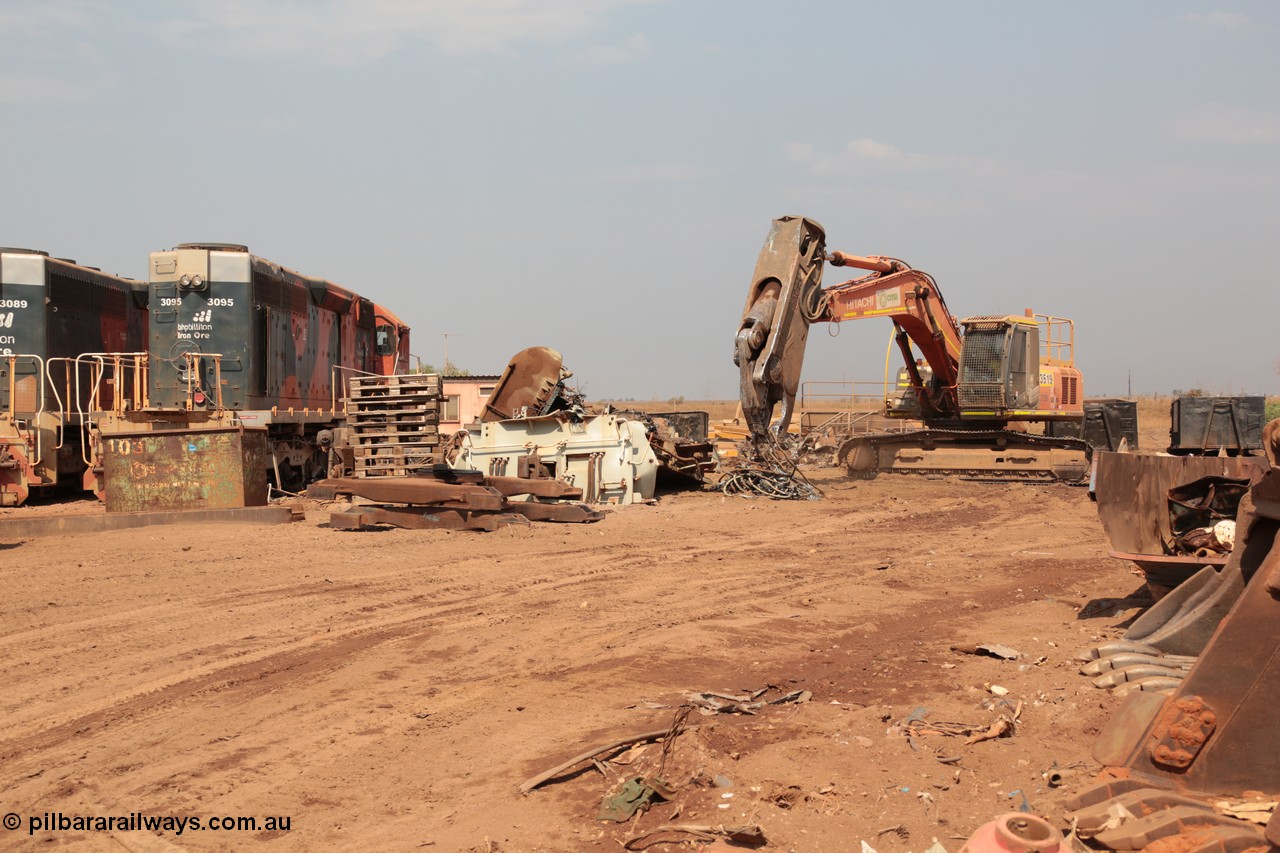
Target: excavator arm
<point x="787" y="296"/>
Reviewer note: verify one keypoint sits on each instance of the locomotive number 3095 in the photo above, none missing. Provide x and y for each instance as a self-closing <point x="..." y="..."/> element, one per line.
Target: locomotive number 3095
<point x="174" y="301"/>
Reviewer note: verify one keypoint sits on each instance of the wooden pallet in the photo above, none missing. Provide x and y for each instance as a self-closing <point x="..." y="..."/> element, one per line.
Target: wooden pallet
<point x="394" y="423"/>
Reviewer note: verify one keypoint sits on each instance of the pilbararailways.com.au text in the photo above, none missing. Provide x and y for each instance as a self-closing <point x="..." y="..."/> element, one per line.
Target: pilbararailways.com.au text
<point x="140" y="822"/>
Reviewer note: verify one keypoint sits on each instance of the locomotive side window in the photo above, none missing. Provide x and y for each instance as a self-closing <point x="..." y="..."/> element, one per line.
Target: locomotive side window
<point x="385" y="344"/>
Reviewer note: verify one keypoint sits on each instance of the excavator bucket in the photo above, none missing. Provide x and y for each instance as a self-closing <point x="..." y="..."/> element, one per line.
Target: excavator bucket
<point x="1215" y="735"/>
<point x="785" y="297"/>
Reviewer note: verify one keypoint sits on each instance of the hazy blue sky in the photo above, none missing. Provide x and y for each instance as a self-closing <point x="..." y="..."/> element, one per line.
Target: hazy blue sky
<point x="598" y="175"/>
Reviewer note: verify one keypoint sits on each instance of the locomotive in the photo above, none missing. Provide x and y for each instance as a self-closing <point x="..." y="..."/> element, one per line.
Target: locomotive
<point x="58" y="322"/>
<point x="244" y="352"/>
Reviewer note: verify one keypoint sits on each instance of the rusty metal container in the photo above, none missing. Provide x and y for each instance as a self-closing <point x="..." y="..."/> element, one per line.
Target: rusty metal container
<point x="184" y="470"/>
<point x="1106" y="422"/>
<point x="1132" y="493"/>
<point x="1206" y="425"/>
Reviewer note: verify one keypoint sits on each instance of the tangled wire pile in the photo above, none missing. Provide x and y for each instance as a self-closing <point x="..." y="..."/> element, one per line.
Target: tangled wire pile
<point x="770" y="472"/>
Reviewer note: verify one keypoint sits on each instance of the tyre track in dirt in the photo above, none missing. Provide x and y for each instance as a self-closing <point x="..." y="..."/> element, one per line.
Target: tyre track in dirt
<point x="378" y="592"/>
<point x="283" y="656"/>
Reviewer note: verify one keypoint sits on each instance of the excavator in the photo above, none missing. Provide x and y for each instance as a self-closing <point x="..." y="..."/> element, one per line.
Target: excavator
<point x="976" y="384"/>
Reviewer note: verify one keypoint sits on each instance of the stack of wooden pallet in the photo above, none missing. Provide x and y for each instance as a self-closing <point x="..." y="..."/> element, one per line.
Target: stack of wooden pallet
<point x="395" y="424"/>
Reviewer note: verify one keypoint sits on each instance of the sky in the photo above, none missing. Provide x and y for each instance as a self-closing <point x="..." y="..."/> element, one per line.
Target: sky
<point x="598" y="176"/>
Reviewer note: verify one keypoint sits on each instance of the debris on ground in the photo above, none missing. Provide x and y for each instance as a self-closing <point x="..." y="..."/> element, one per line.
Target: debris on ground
<point x="637" y="795"/>
<point x="667" y="736"/>
<point x="771" y="472"/>
<point x="750" y="835"/>
<point x="915" y="725"/>
<point x="995" y="650"/>
<point x="709" y="702"/>
<point x="542" y="778"/>
<point x="680" y="441"/>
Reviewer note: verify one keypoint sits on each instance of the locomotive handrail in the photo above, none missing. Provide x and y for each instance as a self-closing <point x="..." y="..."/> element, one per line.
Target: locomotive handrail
<point x="64" y="407"/>
<point x="98" y="360"/>
<point x="333" y="386"/>
<point x="193" y="373"/>
<point x="13" y="393"/>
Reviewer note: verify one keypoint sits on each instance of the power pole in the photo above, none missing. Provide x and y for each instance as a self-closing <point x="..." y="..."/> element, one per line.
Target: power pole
<point x="444" y="368"/>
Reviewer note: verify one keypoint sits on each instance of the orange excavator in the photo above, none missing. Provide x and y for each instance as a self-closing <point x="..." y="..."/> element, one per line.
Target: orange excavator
<point x="987" y="378"/>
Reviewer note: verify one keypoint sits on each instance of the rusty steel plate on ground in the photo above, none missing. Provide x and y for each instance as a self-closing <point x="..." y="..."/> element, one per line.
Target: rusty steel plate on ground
<point x="217" y="468"/>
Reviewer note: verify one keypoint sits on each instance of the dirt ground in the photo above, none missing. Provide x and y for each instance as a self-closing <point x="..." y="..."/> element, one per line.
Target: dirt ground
<point x="389" y="690"/>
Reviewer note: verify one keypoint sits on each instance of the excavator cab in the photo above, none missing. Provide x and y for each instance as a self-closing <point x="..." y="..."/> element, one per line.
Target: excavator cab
<point x="999" y="366"/>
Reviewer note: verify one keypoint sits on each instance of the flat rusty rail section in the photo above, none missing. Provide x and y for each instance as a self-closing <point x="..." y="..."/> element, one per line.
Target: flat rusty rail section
<point x="33" y="528"/>
<point x="452" y="500"/>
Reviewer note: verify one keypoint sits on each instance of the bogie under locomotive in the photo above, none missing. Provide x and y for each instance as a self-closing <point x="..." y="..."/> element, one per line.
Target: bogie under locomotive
<point x="58" y="319"/>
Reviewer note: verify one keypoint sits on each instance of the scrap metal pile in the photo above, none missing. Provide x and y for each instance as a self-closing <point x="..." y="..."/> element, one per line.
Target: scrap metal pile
<point x="536" y="452"/>
<point x="452" y="500"/>
<point x="1203" y="515"/>
<point x="767" y="469"/>
<point x="614" y="456"/>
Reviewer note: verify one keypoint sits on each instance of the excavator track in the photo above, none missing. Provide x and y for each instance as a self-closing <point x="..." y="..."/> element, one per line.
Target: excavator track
<point x="1005" y="456"/>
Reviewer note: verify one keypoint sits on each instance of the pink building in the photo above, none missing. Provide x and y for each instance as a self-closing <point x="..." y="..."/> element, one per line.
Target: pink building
<point x="464" y="399"/>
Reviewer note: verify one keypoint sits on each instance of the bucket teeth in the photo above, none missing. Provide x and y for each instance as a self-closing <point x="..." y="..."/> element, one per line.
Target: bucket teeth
<point x="1116" y="677"/>
<point x="1115" y="647"/>
<point x="1150" y="684"/>
<point x="1124" y="659"/>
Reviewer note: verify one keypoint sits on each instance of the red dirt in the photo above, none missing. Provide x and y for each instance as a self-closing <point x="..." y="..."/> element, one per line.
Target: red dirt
<point x="389" y="690"/>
